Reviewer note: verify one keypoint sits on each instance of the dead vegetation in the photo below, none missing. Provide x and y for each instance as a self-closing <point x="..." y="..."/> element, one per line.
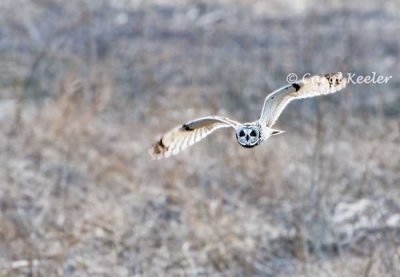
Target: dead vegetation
<point x="87" y="86"/>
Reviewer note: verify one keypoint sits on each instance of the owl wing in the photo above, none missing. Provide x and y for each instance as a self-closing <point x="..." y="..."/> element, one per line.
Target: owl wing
<point x="312" y="86"/>
<point x="183" y="136"/>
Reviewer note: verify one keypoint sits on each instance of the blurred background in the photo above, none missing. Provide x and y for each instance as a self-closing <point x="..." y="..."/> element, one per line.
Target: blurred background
<point x="86" y="87"/>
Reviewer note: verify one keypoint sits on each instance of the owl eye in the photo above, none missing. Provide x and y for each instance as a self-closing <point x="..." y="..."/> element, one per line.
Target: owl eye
<point x="253" y="133"/>
<point x="242" y="134"/>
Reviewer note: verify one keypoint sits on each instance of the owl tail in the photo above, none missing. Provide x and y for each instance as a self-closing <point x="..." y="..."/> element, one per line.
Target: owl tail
<point x="276" y="132"/>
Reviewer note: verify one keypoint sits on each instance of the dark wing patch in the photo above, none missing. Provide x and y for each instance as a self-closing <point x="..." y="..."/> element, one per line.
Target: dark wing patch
<point x="159" y="147"/>
<point x="186" y="127"/>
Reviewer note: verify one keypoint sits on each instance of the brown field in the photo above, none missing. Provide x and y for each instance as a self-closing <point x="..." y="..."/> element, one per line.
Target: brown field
<point x="86" y="87"/>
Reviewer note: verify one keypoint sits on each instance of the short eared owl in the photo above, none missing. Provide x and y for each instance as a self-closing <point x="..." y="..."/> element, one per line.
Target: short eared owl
<point x="247" y="134"/>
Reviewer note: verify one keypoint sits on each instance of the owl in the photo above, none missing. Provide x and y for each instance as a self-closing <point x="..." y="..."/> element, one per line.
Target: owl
<point x="249" y="134"/>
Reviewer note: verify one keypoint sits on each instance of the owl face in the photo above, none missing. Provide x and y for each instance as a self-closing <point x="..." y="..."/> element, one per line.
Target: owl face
<point x="248" y="135"/>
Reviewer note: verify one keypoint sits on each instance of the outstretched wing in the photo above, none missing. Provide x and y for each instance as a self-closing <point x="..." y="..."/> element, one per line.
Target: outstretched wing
<point x="312" y="86"/>
<point x="181" y="137"/>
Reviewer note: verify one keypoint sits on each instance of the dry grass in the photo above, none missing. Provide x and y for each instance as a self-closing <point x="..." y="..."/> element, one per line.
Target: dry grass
<point x="86" y="88"/>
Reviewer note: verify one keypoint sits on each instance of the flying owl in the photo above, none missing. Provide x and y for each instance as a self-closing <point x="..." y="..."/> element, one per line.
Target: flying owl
<point x="247" y="134"/>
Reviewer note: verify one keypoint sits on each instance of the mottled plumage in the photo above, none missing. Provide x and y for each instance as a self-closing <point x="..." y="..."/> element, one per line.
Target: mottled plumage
<point x="248" y="134"/>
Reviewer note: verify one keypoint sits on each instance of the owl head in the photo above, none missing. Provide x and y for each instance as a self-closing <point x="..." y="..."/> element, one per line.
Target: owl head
<point x="248" y="135"/>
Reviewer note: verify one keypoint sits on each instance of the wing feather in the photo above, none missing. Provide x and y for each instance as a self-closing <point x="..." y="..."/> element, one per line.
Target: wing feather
<point x="312" y="86"/>
<point x="183" y="136"/>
